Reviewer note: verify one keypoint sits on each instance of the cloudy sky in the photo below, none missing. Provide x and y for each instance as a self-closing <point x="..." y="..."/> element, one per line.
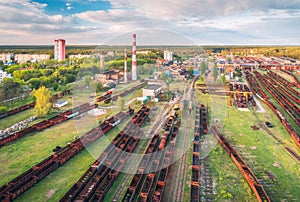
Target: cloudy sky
<point x="204" y="22"/>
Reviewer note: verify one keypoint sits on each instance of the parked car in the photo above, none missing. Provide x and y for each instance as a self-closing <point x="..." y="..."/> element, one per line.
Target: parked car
<point x="269" y="124"/>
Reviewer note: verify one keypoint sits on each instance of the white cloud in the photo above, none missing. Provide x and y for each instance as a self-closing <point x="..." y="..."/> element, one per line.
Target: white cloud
<point x="206" y="21"/>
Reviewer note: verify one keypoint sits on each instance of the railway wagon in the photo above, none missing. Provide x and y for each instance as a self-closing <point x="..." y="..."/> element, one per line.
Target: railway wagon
<point x="30" y="105"/>
<point x="255" y="185"/>
<point x="48" y="122"/>
<point x="96" y="186"/>
<point x="29" y="178"/>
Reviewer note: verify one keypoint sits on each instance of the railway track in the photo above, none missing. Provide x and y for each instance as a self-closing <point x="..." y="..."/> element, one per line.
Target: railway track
<point x="149" y="182"/>
<point x="65" y="116"/>
<point x="38" y="172"/>
<point x="180" y="180"/>
<point x="201" y="181"/>
<point x="280" y="97"/>
<point x="98" y="179"/>
<point x="254" y="183"/>
<point x="254" y="85"/>
<point x="31" y="105"/>
<point x="154" y="130"/>
<point x="277" y="140"/>
<point x="293" y="153"/>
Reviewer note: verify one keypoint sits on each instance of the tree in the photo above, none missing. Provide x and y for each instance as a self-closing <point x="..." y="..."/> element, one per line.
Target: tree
<point x="163" y="76"/>
<point x="3" y="109"/>
<point x="190" y="71"/>
<point x="215" y="73"/>
<point x="55" y="86"/>
<point x="203" y="67"/>
<point x="43" y="103"/>
<point x="34" y="83"/>
<point x="120" y="103"/>
<point x="87" y="79"/>
<point x="223" y="79"/>
<point x="99" y="87"/>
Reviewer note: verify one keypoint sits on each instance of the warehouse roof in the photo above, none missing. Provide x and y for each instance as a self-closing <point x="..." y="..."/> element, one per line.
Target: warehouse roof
<point x="153" y="87"/>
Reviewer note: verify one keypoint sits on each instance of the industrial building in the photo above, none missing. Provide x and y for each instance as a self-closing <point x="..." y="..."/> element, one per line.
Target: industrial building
<point x="109" y="76"/>
<point x="3" y="75"/>
<point x="59" y="49"/>
<point x="152" y="90"/>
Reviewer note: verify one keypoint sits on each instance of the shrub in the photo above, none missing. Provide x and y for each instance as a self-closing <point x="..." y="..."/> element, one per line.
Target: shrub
<point x="3" y="109"/>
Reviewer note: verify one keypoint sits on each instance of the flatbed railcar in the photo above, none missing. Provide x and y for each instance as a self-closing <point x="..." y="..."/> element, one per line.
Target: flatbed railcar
<point x="107" y="96"/>
<point x="149" y="181"/>
<point x="105" y="170"/>
<point x="291" y="130"/>
<point x="255" y="185"/>
<point x="31" y="105"/>
<point x="48" y="123"/>
<point x="25" y="181"/>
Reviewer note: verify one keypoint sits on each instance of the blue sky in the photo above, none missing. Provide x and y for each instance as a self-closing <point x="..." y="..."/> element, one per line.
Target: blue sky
<point x="202" y="22"/>
<point x="63" y="7"/>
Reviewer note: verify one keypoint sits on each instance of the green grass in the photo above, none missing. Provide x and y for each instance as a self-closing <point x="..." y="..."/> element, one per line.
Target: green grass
<point x="26" y="152"/>
<point x="18" y="103"/>
<point x="11" y="120"/>
<point x="266" y="153"/>
<point x="64" y="177"/>
<point x="61" y="180"/>
<point x="259" y="150"/>
<point x="228" y="179"/>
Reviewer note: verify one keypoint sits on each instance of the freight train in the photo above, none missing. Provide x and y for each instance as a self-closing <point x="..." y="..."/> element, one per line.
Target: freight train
<point x="30" y="105"/>
<point x="293" y="94"/>
<point x="255" y="185"/>
<point x="35" y="174"/>
<point x="107" y="96"/>
<point x="48" y="122"/>
<point x="297" y="82"/>
<point x="253" y="84"/>
<point x="149" y="182"/>
<point x="195" y="179"/>
<point x="98" y="179"/>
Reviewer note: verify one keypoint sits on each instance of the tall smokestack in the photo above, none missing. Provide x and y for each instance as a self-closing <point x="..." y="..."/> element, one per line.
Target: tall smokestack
<point x="102" y="60"/>
<point x="125" y="67"/>
<point x="134" y="74"/>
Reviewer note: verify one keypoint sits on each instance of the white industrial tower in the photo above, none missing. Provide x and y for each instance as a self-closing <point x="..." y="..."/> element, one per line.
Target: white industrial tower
<point x="125" y="66"/>
<point x="133" y="68"/>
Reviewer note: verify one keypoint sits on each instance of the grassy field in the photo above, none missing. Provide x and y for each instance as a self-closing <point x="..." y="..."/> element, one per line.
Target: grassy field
<point x="11" y="120"/>
<point x="18" y="103"/>
<point x="54" y="186"/>
<point x="32" y="149"/>
<point x="229" y="182"/>
<point x="260" y="151"/>
<point x="263" y="154"/>
<point x="284" y="113"/>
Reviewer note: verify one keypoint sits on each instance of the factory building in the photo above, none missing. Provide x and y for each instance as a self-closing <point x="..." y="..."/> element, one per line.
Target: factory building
<point x="3" y="75"/>
<point x="152" y="90"/>
<point x="108" y="76"/>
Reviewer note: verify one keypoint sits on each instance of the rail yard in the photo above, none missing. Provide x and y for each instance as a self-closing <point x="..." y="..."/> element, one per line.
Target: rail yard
<point x="175" y="150"/>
